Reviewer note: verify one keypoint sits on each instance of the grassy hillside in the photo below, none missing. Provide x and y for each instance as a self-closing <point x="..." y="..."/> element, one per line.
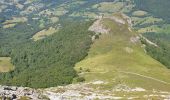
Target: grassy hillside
<point x="119" y="58"/>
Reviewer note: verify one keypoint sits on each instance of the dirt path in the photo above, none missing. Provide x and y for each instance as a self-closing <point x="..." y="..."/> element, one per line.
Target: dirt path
<point x="145" y="77"/>
<point x="132" y="73"/>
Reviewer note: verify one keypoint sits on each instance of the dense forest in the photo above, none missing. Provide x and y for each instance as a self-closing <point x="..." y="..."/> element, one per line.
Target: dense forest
<point x="160" y="53"/>
<point x="159" y="8"/>
<point x="17" y="36"/>
<point x="49" y="62"/>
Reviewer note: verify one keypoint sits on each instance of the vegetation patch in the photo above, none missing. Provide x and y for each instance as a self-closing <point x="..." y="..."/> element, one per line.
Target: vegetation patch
<point x="54" y="19"/>
<point x="42" y="23"/>
<point x="139" y="13"/>
<point x="5" y="64"/>
<point x="164" y="29"/>
<point x="146" y="21"/>
<point x="16" y="20"/>
<point x="84" y="14"/>
<point x="9" y="26"/>
<point x="61" y="10"/>
<point x="44" y="33"/>
<point x="109" y="6"/>
<point x="149" y="29"/>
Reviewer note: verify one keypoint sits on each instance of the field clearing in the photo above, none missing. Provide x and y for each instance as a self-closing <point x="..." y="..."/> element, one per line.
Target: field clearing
<point x="154" y="28"/>
<point x="139" y="13"/>
<point x="44" y="33"/>
<point x="16" y="20"/>
<point x="145" y="20"/>
<point x="5" y="64"/>
<point x="109" y="6"/>
<point x="42" y="22"/>
<point x="84" y="14"/>
<point x="20" y="6"/>
<point x="54" y="19"/>
<point x="9" y="26"/>
<point x="76" y="2"/>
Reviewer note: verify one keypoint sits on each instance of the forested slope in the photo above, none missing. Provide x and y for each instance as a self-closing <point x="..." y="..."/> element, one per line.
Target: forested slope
<point x="159" y="8"/>
<point x="161" y="35"/>
<point x="50" y="62"/>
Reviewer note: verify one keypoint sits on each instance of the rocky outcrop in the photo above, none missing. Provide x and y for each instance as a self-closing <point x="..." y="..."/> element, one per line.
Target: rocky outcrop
<point x="80" y="91"/>
<point x="15" y="93"/>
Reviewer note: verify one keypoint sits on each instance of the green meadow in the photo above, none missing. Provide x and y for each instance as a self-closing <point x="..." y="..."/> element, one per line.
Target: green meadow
<point x="116" y="59"/>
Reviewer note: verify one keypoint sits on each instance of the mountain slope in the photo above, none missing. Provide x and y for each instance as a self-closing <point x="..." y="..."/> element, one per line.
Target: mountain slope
<point x="116" y="67"/>
<point x="119" y="58"/>
<point x="43" y="44"/>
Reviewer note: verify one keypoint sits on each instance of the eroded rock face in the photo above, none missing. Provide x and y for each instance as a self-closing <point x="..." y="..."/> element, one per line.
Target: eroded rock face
<point x="97" y="27"/>
<point x="135" y="39"/>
